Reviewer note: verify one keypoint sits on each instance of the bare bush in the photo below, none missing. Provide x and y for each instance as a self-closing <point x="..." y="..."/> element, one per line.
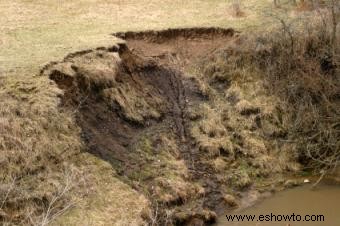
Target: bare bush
<point x="49" y="204"/>
<point x="60" y="201"/>
<point x="302" y="68"/>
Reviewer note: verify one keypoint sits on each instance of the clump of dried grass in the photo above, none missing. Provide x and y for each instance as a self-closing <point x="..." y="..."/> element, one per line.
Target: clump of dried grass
<point x="301" y="67"/>
<point x="44" y="175"/>
<point x="232" y="128"/>
<point x="280" y="95"/>
<point x="36" y="143"/>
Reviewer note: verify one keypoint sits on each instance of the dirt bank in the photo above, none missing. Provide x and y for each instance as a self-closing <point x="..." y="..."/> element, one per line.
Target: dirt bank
<point x="159" y="110"/>
<point x="178" y="46"/>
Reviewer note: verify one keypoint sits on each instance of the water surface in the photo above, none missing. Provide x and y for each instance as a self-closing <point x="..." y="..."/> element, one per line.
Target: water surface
<point x="324" y="200"/>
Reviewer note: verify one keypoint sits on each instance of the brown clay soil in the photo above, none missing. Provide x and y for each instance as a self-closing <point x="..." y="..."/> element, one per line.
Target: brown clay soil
<point x="131" y="102"/>
<point x="180" y="46"/>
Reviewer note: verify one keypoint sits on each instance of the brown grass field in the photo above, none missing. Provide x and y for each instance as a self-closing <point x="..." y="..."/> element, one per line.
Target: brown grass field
<point x="34" y="33"/>
<point x="41" y="152"/>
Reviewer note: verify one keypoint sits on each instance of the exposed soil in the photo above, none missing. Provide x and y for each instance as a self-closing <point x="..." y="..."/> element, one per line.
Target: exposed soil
<point x="179" y="47"/>
<point x="182" y="49"/>
<point x="132" y="102"/>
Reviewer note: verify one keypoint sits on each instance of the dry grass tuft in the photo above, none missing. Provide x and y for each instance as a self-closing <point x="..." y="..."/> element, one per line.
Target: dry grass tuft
<point x="44" y="174"/>
<point x="233" y="127"/>
<point x="37" y="140"/>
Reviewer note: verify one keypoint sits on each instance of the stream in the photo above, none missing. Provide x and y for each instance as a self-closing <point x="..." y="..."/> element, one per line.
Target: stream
<point x="323" y="200"/>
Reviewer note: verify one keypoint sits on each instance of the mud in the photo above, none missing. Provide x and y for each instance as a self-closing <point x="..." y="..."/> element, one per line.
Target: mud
<point x="182" y="50"/>
<point x="132" y="102"/>
<point x="302" y="200"/>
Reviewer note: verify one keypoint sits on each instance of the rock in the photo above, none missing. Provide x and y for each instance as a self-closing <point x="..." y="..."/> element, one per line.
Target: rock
<point x="306" y="181"/>
<point x="291" y="183"/>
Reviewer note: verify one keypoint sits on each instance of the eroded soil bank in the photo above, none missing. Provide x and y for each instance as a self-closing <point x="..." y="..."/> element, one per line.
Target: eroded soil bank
<point x="169" y="112"/>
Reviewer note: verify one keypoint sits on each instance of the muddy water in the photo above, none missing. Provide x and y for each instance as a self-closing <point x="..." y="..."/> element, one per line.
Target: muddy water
<point x="324" y="200"/>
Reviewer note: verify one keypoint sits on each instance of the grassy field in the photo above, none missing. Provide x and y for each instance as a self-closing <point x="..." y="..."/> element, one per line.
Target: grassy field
<point x="35" y="32"/>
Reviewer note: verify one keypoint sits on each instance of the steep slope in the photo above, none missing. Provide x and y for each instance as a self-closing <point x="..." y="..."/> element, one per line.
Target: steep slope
<point x="191" y="139"/>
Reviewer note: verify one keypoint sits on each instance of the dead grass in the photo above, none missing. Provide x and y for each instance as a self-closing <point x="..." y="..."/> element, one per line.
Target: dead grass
<point x="283" y="89"/>
<point x="41" y="156"/>
<point x="306" y="80"/>
<point x="110" y="201"/>
<point x="40" y="144"/>
<point x="236" y="129"/>
<point x="35" y="146"/>
<point x="37" y="32"/>
<point x="168" y="172"/>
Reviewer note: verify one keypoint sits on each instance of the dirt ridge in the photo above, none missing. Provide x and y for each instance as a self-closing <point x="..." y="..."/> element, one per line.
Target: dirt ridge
<point x="173" y="33"/>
